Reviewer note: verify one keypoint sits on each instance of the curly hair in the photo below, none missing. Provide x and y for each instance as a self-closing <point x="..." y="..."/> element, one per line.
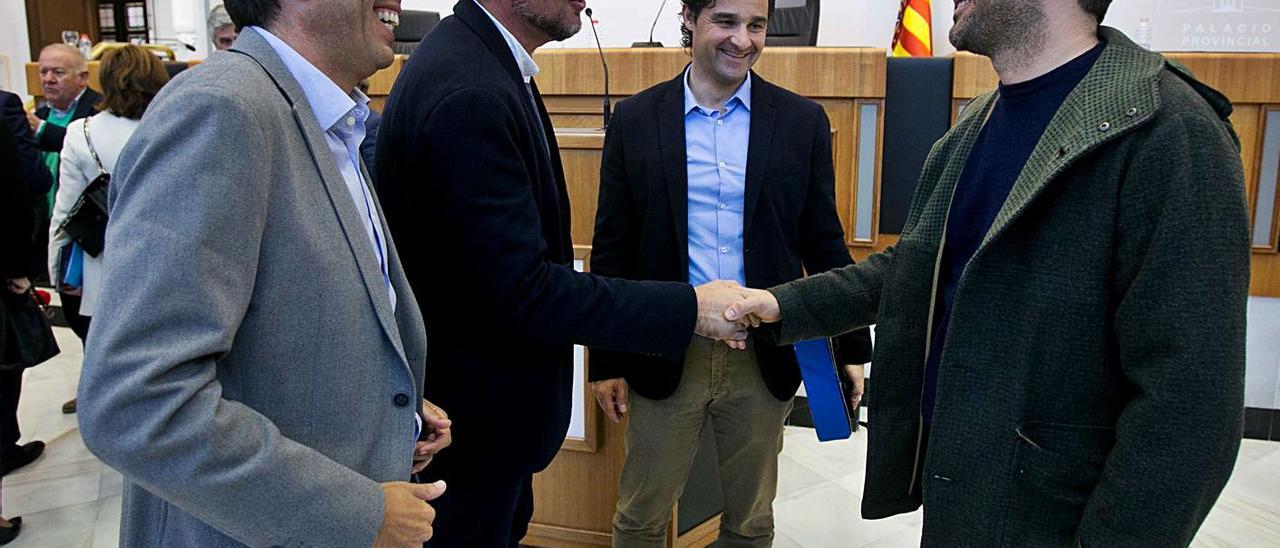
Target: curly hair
<point x="130" y="78"/>
<point x="695" y="8"/>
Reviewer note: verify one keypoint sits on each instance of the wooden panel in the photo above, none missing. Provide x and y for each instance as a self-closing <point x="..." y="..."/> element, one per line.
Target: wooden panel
<point x="380" y="83"/>
<point x="46" y="19"/>
<point x="1244" y="77"/>
<point x="1247" y="120"/>
<point x="1266" y="275"/>
<point x="811" y="72"/>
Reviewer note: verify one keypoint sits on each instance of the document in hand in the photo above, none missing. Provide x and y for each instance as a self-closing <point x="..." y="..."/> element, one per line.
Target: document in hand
<point x="828" y="404"/>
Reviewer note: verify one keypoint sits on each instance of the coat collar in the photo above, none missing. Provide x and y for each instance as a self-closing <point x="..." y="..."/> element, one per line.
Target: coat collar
<point x="253" y="45"/>
<point x="1120" y="93"/>
<point x="480" y="23"/>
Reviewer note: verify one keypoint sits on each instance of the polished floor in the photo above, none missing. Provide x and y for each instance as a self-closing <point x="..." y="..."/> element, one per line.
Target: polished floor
<point x="69" y="499"/>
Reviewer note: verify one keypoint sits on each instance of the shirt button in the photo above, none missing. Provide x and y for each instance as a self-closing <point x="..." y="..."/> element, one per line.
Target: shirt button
<point x="719" y="122"/>
<point x="724" y="249"/>
<point x="722" y="164"/>
<point x="351" y="120"/>
<point x="400" y="400"/>
<point x="723" y="206"/>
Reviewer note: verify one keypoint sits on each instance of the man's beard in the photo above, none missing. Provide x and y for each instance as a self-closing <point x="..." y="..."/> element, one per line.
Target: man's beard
<point x="994" y="26"/>
<point x="552" y="27"/>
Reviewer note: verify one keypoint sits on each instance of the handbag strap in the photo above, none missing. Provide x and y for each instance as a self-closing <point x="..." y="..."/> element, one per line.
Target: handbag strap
<point x="101" y="170"/>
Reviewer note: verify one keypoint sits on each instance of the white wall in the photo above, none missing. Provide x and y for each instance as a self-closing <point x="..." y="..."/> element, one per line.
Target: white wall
<point x="14" y="45"/>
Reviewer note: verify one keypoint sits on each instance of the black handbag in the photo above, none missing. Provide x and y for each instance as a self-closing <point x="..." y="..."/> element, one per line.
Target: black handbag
<point x="86" y="224"/>
<point x="28" y="336"/>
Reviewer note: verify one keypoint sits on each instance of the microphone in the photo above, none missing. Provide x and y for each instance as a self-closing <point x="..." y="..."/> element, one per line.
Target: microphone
<point x="608" y="107"/>
<point x="651" y="43"/>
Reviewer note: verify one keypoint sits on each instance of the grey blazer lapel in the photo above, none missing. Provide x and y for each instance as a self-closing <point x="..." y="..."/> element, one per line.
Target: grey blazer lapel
<point x="253" y="45"/>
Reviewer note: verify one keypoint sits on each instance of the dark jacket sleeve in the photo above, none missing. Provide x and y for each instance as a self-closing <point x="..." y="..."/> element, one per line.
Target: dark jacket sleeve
<point x="37" y="176"/>
<point x="617" y="234"/>
<point x="15" y="215"/>
<point x="821" y="237"/>
<point x="1182" y="273"/>
<point x="51" y="137"/>
<point x="489" y="200"/>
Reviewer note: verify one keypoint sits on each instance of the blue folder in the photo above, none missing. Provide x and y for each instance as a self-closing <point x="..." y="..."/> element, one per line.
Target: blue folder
<point x="828" y="404"/>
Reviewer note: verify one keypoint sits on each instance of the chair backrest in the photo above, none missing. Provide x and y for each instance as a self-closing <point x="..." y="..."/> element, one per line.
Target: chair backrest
<point x="413" y="27"/>
<point x="794" y="25"/>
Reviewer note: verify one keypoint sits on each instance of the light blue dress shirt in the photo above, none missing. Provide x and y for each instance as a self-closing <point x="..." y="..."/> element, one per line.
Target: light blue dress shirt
<point x="342" y="116"/>
<point x="716" y="144"/>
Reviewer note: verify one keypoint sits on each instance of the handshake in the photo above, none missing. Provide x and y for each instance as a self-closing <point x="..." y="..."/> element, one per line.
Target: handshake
<point x="726" y="310"/>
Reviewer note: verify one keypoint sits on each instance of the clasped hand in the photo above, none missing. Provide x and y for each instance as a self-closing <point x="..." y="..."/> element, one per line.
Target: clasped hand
<point x="726" y="310"/>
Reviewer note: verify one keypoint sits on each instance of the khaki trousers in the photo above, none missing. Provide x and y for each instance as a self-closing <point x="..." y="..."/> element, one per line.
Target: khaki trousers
<point x="720" y="389"/>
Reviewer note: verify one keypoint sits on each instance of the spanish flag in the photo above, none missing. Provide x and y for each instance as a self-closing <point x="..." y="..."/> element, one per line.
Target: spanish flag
<point x="914" y="35"/>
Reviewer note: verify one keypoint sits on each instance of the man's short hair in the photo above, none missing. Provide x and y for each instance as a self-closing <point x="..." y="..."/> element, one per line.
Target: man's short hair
<point x="1096" y="8"/>
<point x="695" y="8"/>
<point x="258" y="13"/>
<point x="218" y="18"/>
<point x="78" y="63"/>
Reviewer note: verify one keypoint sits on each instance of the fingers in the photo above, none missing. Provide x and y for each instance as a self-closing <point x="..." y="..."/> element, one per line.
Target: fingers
<point x="621" y="398"/>
<point x="420" y="465"/>
<point x="427" y="491"/>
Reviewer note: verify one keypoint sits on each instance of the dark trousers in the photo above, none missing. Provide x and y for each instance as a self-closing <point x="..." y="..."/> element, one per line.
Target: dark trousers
<point x="10" y="390"/>
<point x="71" y="309"/>
<point x="479" y="510"/>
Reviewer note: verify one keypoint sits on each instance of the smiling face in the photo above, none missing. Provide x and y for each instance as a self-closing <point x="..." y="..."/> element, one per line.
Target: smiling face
<point x="556" y="20"/>
<point x="357" y="34"/>
<point x="728" y="38"/>
<point x="986" y="27"/>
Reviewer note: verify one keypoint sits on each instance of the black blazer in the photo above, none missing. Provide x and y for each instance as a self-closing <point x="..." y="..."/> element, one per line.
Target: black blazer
<point x="15" y="213"/>
<point x="38" y="178"/>
<point x="51" y="138"/>
<point x="790" y="224"/>
<point x="478" y="209"/>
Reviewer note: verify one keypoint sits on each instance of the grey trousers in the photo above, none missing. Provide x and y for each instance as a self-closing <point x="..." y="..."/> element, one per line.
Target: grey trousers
<point x="720" y="389"/>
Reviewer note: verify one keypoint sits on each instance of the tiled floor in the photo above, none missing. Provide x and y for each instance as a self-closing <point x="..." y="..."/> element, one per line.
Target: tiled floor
<point x="68" y="499"/>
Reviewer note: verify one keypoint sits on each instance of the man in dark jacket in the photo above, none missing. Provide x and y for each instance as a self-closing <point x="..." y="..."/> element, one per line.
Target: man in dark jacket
<point x="15" y="246"/>
<point x="698" y="171"/>
<point x="1042" y="322"/>
<point x="37" y="176"/>
<point x="475" y="197"/>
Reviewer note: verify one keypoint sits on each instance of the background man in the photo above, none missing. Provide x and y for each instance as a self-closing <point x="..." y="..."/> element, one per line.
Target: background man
<point x="222" y="31"/>
<point x="476" y="196"/>
<point x="257" y="386"/>
<point x="64" y="79"/>
<point x="757" y="174"/>
<point x="1086" y="227"/>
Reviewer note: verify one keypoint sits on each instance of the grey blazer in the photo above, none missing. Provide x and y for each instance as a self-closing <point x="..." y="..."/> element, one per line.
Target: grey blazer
<point x="245" y="371"/>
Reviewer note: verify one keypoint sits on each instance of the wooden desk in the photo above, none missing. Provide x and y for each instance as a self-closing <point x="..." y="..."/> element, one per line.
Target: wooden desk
<point x="1251" y="81"/>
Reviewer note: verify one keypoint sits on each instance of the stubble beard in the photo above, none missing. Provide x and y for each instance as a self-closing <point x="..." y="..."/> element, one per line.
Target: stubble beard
<point x="554" y="28"/>
<point x="995" y="27"/>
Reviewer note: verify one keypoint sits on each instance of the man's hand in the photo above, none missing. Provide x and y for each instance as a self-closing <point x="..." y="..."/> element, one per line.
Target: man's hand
<point x="19" y="285"/>
<point x="757" y="307"/>
<point x="406" y="520"/>
<point x="857" y="385"/>
<point x="34" y="122"/>
<point x="436" y="426"/>
<point x="612" y="396"/>
<point x="713" y="299"/>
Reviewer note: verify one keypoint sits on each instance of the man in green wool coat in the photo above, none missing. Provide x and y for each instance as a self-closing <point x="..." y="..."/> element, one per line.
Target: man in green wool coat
<point x="1069" y="290"/>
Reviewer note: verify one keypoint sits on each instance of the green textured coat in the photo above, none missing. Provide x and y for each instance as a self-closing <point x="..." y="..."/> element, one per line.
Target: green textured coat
<point x="1091" y="387"/>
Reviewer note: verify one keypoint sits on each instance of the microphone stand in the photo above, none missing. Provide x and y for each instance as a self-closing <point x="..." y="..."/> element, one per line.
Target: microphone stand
<point x="651" y="43"/>
<point x="608" y="107"/>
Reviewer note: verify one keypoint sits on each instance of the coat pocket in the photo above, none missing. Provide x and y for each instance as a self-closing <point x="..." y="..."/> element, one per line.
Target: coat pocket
<point x="1056" y="468"/>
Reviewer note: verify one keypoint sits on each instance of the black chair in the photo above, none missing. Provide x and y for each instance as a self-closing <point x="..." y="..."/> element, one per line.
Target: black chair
<point x="414" y="26"/>
<point x="793" y="25"/>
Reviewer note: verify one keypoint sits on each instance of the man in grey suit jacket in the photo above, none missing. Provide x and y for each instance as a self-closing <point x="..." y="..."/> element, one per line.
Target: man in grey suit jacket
<point x="258" y="357"/>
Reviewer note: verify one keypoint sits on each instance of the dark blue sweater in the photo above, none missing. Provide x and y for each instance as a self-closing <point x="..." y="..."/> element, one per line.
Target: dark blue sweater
<point x="1017" y="121"/>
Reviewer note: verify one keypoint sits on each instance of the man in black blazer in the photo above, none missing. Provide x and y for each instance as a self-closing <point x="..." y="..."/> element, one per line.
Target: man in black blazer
<point x="714" y="174"/>
<point x="475" y="198"/>
<point x="37" y="177"/>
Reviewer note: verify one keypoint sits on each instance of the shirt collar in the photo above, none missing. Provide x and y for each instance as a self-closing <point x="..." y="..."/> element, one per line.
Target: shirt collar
<point x="528" y="68"/>
<point x="70" y="108"/>
<point x="742" y="95"/>
<point x="328" y="102"/>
